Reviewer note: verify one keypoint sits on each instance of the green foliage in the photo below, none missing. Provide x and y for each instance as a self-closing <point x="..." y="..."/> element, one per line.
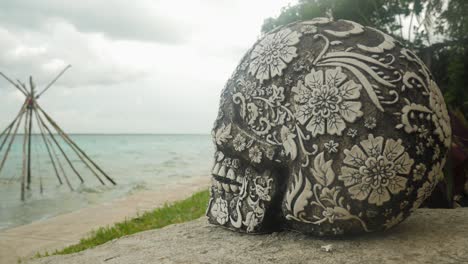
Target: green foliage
<point x="182" y="211"/>
<point x="376" y="13"/>
<point x="438" y="32"/>
<point x="457" y="80"/>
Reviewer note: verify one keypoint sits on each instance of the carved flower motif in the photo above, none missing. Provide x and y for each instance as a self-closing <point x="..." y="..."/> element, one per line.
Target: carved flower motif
<point x="270" y="56"/>
<point x="437" y="173"/>
<point x="255" y="154"/>
<point x="239" y="143"/>
<point x="309" y="29"/>
<point x="423" y="193"/>
<point x="420" y="149"/>
<point x="263" y="187"/>
<point x="352" y="132"/>
<point x="246" y="87"/>
<point x="376" y="169"/>
<point x="331" y="146"/>
<point x="235" y="163"/>
<point x="327" y="101"/>
<point x="419" y="171"/>
<point x="220" y="211"/>
<point x="370" y="122"/>
<point x="440" y="118"/>
<point x="426" y="189"/>
<point x="430" y="141"/>
<point x="254" y="217"/>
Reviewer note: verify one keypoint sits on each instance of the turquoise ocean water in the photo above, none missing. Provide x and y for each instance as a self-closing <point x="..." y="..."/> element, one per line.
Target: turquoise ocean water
<point x="135" y="162"/>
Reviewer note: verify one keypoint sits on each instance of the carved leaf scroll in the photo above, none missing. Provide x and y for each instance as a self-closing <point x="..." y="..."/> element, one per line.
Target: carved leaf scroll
<point x="289" y="145"/>
<point x="322" y="170"/>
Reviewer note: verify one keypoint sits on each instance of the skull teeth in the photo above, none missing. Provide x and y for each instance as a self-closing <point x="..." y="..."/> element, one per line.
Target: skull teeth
<point x="216" y="168"/>
<point x="239" y="179"/>
<point x="219" y="185"/>
<point x="231" y="174"/>
<point x="230" y="187"/>
<point x="222" y="171"/>
<point x="226" y="187"/>
<point x="235" y="188"/>
<point x="225" y="177"/>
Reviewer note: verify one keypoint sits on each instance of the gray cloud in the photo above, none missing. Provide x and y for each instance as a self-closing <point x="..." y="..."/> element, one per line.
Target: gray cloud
<point x="136" y="67"/>
<point x="44" y="54"/>
<point x="117" y="19"/>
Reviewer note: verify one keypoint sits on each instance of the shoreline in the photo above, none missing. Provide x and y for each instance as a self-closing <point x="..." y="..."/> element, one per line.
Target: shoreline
<point x="62" y="230"/>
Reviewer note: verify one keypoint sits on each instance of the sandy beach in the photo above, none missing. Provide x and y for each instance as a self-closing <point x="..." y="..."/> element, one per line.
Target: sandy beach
<point x="66" y="229"/>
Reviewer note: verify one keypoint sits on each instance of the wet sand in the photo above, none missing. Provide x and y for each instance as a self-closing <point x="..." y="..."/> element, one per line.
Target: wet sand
<point x="67" y="229"/>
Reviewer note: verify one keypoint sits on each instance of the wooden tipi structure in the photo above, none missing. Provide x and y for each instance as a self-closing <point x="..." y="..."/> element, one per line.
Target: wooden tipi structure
<point x="30" y="114"/>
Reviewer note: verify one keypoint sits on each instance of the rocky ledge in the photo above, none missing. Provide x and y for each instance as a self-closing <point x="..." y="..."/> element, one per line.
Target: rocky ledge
<point x="428" y="236"/>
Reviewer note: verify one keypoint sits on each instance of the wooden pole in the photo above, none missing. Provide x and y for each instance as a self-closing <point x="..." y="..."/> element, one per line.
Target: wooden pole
<point x="81" y="157"/>
<point x="7" y="130"/>
<point x="41" y="131"/>
<point x="30" y="112"/>
<point x="25" y="92"/>
<point x="77" y="153"/>
<point x="25" y="163"/>
<point x="61" y="149"/>
<point x="11" y="141"/>
<point x="7" y="135"/>
<point x="28" y="186"/>
<point x="77" y="147"/>
<point x="59" y="163"/>
<point x="53" y="81"/>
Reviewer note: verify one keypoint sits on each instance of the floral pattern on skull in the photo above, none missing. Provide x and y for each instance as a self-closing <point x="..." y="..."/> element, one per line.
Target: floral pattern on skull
<point x="434" y="176"/>
<point x="220" y="211"/>
<point x="374" y="171"/>
<point x="270" y="57"/>
<point x="441" y="117"/>
<point x="326" y="128"/>
<point x="327" y="102"/>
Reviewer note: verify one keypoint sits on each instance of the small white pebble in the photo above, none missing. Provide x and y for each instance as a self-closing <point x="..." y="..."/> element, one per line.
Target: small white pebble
<point x="327" y="248"/>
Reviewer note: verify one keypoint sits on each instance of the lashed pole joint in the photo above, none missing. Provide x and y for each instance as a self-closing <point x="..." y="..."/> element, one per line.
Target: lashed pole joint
<point x="31" y="110"/>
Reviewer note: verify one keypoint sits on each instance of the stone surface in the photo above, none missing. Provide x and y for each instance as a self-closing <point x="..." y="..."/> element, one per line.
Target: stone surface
<point x="428" y="236"/>
<point x="328" y="128"/>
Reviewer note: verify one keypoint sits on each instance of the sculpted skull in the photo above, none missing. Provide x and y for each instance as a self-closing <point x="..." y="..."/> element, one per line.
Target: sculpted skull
<point x="326" y="128"/>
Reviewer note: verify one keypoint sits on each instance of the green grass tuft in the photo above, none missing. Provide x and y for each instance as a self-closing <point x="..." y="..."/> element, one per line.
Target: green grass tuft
<point x="182" y="211"/>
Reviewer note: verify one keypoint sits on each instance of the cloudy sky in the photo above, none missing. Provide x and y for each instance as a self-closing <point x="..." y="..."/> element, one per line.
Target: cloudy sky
<point x="140" y="66"/>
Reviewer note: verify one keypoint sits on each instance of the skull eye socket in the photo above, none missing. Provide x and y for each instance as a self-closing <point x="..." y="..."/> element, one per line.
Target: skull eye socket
<point x="251" y="149"/>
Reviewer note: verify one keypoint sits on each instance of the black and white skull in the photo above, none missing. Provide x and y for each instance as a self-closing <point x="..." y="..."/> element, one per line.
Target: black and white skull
<point x="326" y="128"/>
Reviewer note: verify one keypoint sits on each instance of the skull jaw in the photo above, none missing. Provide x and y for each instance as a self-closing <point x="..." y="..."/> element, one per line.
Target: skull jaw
<point x="248" y="204"/>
